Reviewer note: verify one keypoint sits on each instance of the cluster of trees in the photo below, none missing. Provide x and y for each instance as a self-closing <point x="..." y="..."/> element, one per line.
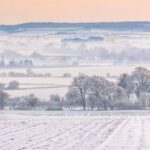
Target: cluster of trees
<point x="31" y="73"/>
<point x="14" y="63"/>
<point x="95" y="92"/>
<point x="30" y="102"/>
<point x="11" y="85"/>
<point x="130" y="92"/>
<point x="138" y="84"/>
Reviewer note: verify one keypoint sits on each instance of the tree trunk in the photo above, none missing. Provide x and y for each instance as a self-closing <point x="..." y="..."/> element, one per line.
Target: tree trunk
<point x="84" y="107"/>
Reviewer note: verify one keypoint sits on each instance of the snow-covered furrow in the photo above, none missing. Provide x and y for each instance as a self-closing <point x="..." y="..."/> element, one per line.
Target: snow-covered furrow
<point x="60" y="130"/>
<point x="69" y="139"/>
<point x="126" y="136"/>
<point x="145" y="134"/>
<point x="82" y="137"/>
<point x="115" y="132"/>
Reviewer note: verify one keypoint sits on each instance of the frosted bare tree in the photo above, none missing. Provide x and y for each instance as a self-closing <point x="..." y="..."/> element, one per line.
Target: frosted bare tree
<point x="141" y="78"/>
<point x="78" y="91"/>
<point x="107" y="93"/>
<point x="3" y="97"/>
<point x="119" y="94"/>
<point x="92" y="101"/>
<point x="126" y="82"/>
<point x="31" y="101"/>
<point x="97" y="88"/>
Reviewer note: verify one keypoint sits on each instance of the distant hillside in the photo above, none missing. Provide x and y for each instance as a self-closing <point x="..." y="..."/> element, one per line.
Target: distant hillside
<point x="117" y="26"/>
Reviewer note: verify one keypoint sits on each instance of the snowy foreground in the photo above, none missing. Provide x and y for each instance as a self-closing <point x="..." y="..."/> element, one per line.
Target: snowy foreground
<point x="106" y="131"/>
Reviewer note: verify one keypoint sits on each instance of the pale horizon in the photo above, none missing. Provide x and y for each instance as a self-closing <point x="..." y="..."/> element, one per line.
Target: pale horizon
<point x="16" y="11"/>
<point x="67" y="22"/>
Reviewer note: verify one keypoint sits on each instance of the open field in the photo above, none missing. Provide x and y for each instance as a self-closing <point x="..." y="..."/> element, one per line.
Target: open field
<point x="128" y="130"/>
<point x="43" y="87"/>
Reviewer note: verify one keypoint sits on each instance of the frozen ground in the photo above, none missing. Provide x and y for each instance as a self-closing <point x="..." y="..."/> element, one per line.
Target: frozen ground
<point x="75" y="131"/>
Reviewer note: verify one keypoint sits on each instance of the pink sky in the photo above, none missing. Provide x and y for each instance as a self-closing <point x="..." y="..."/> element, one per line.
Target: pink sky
<point x="18" y="11"/>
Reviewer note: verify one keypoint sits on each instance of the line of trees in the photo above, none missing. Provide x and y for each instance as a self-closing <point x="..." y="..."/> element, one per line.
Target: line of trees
<point x="95" y="92"/>
<point x="131" y="91"/>
<point x="11" y="85"/>
<point x="30" y="102"/>
<point x="138" y="84"/>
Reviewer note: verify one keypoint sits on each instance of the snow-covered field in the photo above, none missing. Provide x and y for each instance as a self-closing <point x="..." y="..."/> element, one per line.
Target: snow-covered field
<point x="57" y="79"/>
<point x="77" y="131"/>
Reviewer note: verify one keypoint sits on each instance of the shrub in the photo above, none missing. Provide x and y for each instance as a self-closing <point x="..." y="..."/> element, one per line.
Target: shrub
<point x="126" y="105"/>
<point x="66" y="75"/>
<point x="13" y="85"/>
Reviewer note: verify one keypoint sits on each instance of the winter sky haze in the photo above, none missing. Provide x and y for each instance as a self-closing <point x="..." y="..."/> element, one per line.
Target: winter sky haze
<point x="18" y="11"/>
